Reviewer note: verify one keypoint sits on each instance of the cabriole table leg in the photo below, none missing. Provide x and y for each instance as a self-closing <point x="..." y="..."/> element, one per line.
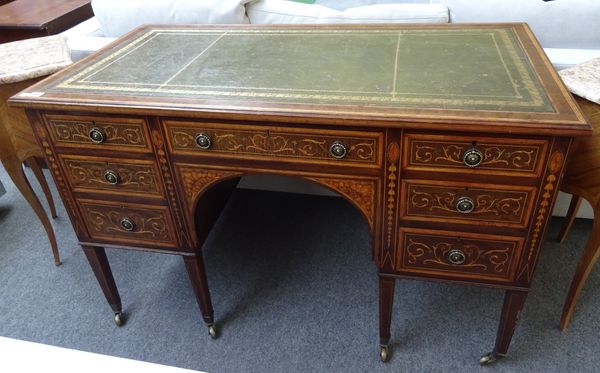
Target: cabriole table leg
<point x="584" y="268"/>
<point x="14" y="168"/>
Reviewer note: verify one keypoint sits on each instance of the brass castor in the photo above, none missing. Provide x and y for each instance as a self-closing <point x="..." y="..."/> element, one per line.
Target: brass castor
<point x="212" y="331"/>
<point x="487" y="359"/>
<point x="384" y="353"/>
<point x="119" y="318"/>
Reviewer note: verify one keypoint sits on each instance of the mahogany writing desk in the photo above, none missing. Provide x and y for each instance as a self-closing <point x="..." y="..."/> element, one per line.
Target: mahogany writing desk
<point x="449" y="139"/>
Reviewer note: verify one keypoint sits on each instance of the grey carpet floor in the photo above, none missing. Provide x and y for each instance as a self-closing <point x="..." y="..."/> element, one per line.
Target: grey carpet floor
<point x="294" y="290"/>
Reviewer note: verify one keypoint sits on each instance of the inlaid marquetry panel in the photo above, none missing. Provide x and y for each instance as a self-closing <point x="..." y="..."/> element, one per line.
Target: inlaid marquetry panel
<point x="359" y="190"/>
<point x="362" y="192"/>
<point x="360" y="149"/>
<point x="504" y="156"/>
<point x="390" y="202"/>
<point x="256" y="142"/>
<point x="196" y="179"/>
<point x="136" y="177"/>
<point x="59" y="178"/>
<point x="129" y="134"/>
<point x="543" y="210"/>
<point x="151" y="224"/>
<point x="171" y="186"/>
<point x="492" y="205"/>
<point x="484" y="256"/>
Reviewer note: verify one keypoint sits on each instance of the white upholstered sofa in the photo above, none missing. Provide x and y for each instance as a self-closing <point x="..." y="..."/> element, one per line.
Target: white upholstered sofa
<point x="569" y="30"/>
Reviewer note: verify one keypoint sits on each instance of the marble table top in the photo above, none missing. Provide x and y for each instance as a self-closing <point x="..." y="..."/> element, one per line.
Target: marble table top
<point x="584" y="79"/>
<point x="32" y="58"/>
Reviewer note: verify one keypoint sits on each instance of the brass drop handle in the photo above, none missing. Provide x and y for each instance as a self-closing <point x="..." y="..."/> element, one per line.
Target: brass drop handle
<point x="97" y="135"/>
<point x="338" y="150"/>
<point x="456" y="256"/>
<point x="111" y="177"/>
<point x="472" y="158"/>
<point x="464" y="205"/>
<point x="203" y="141"/>
<point x="127" y="224"/>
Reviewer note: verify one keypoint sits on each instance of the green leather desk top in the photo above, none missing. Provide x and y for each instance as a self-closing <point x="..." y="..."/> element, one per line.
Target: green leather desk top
<point x="396" y="72"/>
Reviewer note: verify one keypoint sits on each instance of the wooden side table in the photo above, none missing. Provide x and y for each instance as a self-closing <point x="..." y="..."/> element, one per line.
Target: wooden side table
<point x="582" y="176"/>
<point x="24" y="19"/>
<point x="24" y="63"/>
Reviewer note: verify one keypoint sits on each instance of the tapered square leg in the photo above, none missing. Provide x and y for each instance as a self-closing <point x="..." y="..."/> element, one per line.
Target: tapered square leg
<point x="386" y="302"/>
<point x="96" y="256"/>
<point x="511" y="312"/>
<point x="197" y="274"/>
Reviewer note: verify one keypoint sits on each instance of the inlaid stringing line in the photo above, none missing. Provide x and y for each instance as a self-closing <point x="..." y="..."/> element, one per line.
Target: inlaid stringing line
<point x="91" y="68"/>
<point x="512" y="81"/>
<point x="171" y="86"/>
<point x="530" y="85"/>
<point x="192" y="61"/>
<point x="118" y="59"/>
<point x="396" y="65"/>
<point x="391" y="32"/>
<point x="366" y="99"/>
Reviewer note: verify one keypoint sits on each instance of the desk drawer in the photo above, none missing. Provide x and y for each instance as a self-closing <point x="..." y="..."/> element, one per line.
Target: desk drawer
<point x="466" y="203"/>
<point x="107" y="175"/>
<point x="475" y="154"/>
<point x="128" y="224"/>
<point x="99" y="132"/>
<point x="309" y="145"/>
<point x="458" y="255"/>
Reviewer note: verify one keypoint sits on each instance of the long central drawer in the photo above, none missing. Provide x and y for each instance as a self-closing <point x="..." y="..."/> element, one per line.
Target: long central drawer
<point x="291" y="144"/>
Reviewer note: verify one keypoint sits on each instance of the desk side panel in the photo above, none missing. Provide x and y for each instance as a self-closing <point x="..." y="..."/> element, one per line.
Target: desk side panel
<point x="58" y="174"/>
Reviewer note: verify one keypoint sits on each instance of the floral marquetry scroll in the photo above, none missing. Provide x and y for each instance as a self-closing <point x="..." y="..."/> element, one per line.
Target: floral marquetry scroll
<point x="222" y="141"/>
<point x="492" y="205"/>
<point x="196" y="180"/>
<point x="362" y="192"/>
<point x="493" y="156"/>
<point x="122" y="132"/>
<point x="138" y="178"/>
<point x="520" y="157"/>
<point x="452" y="255"/>
<point x="149" y="225"/>
<point x="301" y="145"/>
<point x="261" y="142"/>
<point x="61" y="182"/>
